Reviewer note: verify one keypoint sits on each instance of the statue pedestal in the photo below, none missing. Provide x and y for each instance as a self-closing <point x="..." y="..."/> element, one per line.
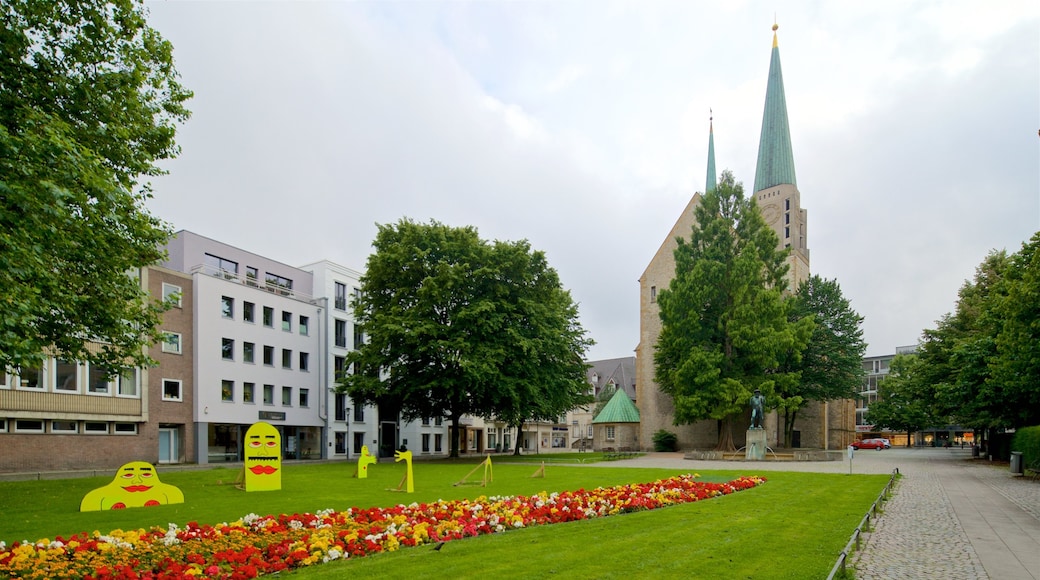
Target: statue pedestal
<point x="755" y="448"/>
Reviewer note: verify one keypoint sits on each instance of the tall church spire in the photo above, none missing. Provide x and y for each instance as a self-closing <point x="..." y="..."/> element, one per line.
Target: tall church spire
<point x="775" y="156"/>
<point x="711" y="181"/>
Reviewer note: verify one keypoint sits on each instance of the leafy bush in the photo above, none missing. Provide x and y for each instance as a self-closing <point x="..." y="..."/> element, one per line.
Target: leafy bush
<point x="1027" y="440"/>
<point x="666" y="441"/>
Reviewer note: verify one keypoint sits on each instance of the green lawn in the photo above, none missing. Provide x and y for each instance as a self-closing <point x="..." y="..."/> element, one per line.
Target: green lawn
<point x="793" y="526"/>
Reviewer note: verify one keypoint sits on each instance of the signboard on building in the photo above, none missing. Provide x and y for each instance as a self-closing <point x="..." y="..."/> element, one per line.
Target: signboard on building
<point x="864" y="428"/>
<point x="272" y="415"/>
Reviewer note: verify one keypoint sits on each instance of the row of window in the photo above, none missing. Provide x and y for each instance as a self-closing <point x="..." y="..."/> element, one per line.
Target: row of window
<point x="248" y="395"/>
<point x="61" y="376"/>
<point x="227" y="310"/>
<point x="339" y="328"/>
<point x="216" y="264"/>
<point x="341" y="295"/>
<point x="66" y="427"/>
<point x="227" y="352"/>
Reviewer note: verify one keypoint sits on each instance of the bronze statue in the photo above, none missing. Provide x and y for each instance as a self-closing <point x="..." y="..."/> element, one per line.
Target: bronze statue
<point x="758" y="403"/>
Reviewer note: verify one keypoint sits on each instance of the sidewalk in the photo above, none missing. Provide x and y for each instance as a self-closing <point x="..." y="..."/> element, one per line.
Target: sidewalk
<point x="950" y="516"/>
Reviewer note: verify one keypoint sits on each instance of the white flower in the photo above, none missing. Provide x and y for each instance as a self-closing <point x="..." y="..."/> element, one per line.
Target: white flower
<point x="296" y="524"/>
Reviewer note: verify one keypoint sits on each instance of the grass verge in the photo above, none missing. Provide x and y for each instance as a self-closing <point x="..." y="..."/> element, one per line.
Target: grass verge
<point x="794" y="526"/>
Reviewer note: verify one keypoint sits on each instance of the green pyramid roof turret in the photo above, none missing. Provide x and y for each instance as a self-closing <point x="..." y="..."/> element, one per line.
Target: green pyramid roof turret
<point x="775" y="156"/>
<point x="711" y="181"/>
<point x="620" y="409"/>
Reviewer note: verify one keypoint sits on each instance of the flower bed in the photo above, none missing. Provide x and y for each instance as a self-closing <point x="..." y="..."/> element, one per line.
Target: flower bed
<point x="257" y="545"/>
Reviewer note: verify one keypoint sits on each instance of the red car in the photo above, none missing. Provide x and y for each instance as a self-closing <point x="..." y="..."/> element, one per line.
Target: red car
<point x="869" y="444"/>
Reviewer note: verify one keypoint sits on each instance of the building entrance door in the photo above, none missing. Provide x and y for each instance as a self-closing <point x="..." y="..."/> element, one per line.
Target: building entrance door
<point x="169" y="445"/>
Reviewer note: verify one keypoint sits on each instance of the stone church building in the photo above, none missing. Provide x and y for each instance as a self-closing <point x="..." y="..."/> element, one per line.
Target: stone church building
<point x="829" y="425"/>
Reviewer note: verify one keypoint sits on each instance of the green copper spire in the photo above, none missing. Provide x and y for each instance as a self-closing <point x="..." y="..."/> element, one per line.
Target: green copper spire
<point x="710" y="185"/>
<point x="775" y="157"/>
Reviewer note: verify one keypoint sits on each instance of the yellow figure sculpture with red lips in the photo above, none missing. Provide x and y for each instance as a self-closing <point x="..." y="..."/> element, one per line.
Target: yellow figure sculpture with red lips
<point x="136" y="485"/>
<point x="263" y="465"/>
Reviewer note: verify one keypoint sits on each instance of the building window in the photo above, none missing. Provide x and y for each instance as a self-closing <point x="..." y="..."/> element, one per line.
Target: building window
<point x="217" y="265"/>
<point x="426" y="443"/>
<point x="3" y="425"/>
<point x="359" y="337"/>
<point x="66" y="376"/>
<point x="610" y="433"/>
<point x="95" y="428"/>
<point x="269" y="355"/>
<point x="64" y="427"/>
<point x="171" y="342"/>
<point x="251" y="275"/>
<point x="171" y="390"/>
<point x="268" y="317"/>
<point x="341" y="296"/>
<point x="276" y="282"/>
<point x="268" y="394"/>
<point x="171" y="294"/>
<point x="128" y="383"/>
<point x="125" y="429"/>
<point x="287" y="396"/>
<point x="248" y="312"/>
<point x="438" y="421"/>
<point x="305" y="360"/>
<point x="590" y="432"/>
<point x="426" y="421"/>
<point x="339" y="364"/>
<point x="6" y="380"/>
<point x="287" y="321"/>
<point x="359" y="441"/>
<point x="248" y="392"/>
<point x="787" y="219"/>
<point x="787" y="204"/>
<point x="305" y="398"/>
<point x="787" y="232"/>
<point x="248" y="352"/>
<point x="227" y="391"/>
<point x="304" y="323"/>
<point x="438" y="442"/>
<point x="340" y="327"/>
<point x="99" y="380"/>
<point x="653" y="294"/>
<point x="227" y="307"/>
<point x="359" y="413"/>
<point x="227" y="349"/>
<point x="31" y="377"/>
<point x="341" y="407"/>
<point x="341" y="443"/>
<point x="286" y="358"/>
<point x="28" y="426"/>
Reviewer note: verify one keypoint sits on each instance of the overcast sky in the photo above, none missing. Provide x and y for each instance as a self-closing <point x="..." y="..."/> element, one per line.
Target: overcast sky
<point x="583" y="127"/>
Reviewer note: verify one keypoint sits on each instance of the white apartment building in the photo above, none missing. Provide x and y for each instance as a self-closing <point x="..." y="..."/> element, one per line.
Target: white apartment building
<point x="257" y="349"/>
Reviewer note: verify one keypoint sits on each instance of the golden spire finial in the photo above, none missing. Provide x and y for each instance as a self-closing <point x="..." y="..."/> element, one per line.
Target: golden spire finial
<point x="775" y="26"/>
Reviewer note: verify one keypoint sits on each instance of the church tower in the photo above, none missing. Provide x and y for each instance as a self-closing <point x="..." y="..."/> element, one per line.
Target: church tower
<point x="776" y="188"/>
<point x="776" y="193"/>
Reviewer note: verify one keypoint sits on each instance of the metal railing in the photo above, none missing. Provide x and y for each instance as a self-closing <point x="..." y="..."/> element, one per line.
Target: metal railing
<point x="251" y="281"/>
<point x="854" y="541"/>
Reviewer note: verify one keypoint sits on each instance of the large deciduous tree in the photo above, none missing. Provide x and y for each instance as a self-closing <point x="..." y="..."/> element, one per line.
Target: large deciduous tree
<point x="89" y="102"/>
<point x="831" y="365"/>
<point x="455" y="326"/>
<point x="724" y="316"/>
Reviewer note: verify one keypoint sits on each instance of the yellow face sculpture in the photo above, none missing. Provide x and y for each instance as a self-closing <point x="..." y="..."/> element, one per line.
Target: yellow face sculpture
<point x="263" y="467"/>
<point x="136" y="485"/>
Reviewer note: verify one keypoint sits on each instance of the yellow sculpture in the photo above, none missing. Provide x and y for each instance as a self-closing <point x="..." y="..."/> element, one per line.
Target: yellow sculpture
<point x="263" y="465"/>
<point x="407" y="457"/>
<point x="136" y="485"/>
<point x="363" y="462"/>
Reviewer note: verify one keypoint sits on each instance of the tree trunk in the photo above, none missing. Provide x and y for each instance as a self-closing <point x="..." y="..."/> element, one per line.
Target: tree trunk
<point x="519" y="435"/>
<point x="789" y="418"/>
<point x="454" y="436"/>
<point x="726" y="435"/>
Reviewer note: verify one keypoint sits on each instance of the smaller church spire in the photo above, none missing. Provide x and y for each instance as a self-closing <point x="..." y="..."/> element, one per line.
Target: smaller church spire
<point x="711" y="180"/>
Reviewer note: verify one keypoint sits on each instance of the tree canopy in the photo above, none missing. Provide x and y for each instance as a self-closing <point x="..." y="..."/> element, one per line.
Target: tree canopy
<point x="725" y="320"/>
<point x="89" y="102"/>
<point x="904" y="402"/>
<point x="831" y="365"/>
<point x="455" y="325"/>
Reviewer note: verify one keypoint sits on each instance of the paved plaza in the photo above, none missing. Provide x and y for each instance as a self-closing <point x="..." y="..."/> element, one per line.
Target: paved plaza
<point x="950" y="517"/>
